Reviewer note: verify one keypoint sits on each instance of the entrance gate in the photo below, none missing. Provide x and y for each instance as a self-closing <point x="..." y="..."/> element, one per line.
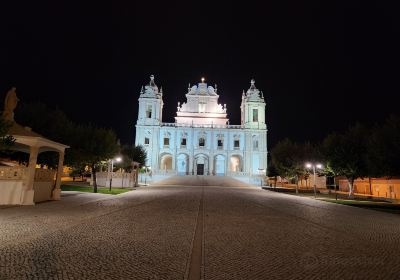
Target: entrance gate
<point x="200" y="169"/>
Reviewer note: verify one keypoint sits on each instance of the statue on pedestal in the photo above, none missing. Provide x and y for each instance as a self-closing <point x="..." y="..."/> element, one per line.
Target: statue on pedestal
<point x="10" y="104"/>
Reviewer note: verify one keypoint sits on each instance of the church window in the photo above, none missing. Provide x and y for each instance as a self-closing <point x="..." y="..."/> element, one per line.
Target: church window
<point x="255" y="115"/>
<point x="166" y="141"/>
<point x="146" y="141"/>
<point x="220" y="144"/>
<point x="255" y="144"/>
<point x="236" y="144"/>
<point x="148" y="111"/>
<point x="202" y="142"/>
<point x="183" y="142"/>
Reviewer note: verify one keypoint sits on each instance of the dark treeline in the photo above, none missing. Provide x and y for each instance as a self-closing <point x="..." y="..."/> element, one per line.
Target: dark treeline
<point x="360" y="152"/>
<point x="89" y="145"/>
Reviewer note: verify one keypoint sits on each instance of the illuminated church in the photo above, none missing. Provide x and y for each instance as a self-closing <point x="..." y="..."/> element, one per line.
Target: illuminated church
<point x="201" y="141"/>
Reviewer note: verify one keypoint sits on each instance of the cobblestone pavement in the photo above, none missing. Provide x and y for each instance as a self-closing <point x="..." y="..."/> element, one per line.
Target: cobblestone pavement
<point x="197" y="227"/>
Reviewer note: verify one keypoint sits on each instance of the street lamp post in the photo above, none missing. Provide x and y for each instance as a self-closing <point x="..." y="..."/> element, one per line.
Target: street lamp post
<point x="118" y="159"/>
<point x="313" y="166"/>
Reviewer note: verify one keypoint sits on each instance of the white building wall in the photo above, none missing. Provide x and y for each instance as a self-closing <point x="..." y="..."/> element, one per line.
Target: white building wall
<point x="192" y="158"/>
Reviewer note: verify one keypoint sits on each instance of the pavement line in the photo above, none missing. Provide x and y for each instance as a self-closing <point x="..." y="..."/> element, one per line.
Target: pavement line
<point x="196" y="258"/>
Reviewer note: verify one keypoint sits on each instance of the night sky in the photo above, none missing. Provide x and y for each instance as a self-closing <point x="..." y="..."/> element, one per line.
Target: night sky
<point x="321" y="65"/>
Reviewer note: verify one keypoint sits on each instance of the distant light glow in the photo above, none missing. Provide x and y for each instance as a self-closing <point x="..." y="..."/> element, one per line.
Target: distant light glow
<point x="308" y="165"/>
<point x="319" y="166"/>
<point x="118" y="159"/>
<point x="202" y="80"/>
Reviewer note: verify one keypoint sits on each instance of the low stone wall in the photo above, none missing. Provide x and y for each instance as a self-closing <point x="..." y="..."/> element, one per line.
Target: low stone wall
<point x="320" y="182"/>
<point x="381" y="187"/>
<point x="119" y="179"/>
<point x="11" y="192"/>
<point x="45" y="175"/>
<point x="43" y="184"/>
<point x="11" y="185"/>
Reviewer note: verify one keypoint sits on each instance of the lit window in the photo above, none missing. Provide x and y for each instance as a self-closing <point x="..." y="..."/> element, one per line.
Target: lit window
<point x="236" y="144"/>
<point x="202" y="142"/>
<point x="166" y="141"/>
<point x="146" y="141"/>
<point x="183" y="142"/>
<point x="255" y="115"/>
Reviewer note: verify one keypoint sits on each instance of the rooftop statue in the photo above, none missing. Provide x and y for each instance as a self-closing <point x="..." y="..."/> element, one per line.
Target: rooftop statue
<point x="10" y="104"/>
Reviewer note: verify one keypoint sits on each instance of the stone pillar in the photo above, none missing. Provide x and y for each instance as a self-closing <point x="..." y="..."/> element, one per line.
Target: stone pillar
<point x="27" y="195"/>
<point x="191" y="165"/>
<point x="227" y="161"/>
<point x="211" y="164"/>
<point x="57" y="190"/>
<point x="173" y="165"/>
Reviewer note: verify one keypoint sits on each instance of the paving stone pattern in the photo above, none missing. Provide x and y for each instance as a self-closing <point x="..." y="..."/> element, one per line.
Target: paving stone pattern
<point x="148" y="233"/>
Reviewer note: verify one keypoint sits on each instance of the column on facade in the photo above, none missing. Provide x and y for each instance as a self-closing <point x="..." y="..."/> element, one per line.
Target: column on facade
<point x="175" y="157"/>
<point x="191" y="157"/>
<point x="228" y="149"/>
<point x="265" y="151"/>
<point x="227" y="158"/>
<point x="57" y="190"/>
<point x="211" y="159"/>
<point x="247" y="154"/>
<point x="155" y="149"/>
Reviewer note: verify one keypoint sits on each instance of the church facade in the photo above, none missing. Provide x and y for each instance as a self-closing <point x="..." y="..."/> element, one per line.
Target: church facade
<point x="201" y="141"/>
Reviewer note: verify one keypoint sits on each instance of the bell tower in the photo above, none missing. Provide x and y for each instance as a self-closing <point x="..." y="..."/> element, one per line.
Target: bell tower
<point x="150" y="104"/>
<point x="253" y="108"/>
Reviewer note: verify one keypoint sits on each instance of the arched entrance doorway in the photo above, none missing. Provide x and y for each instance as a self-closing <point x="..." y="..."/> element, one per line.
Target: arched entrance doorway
<point x="235" y="164"/>
<point x="183" y="164"/>
<point x="219" y="165"/>
<point x="201" y="165"/>
<point x="166" y="162"/>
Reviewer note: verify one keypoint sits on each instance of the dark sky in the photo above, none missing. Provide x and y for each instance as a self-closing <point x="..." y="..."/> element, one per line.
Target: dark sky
<point x="322" y="65"/>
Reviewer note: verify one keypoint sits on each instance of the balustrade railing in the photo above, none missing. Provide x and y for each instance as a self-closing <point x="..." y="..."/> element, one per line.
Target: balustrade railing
<point x="229" y="126"/>
<point x="12" y="173"/>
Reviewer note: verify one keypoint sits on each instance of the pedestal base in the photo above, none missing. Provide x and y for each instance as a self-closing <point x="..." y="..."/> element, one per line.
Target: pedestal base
<point x="56" y="194"/>
<point x="27" y="197"/>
